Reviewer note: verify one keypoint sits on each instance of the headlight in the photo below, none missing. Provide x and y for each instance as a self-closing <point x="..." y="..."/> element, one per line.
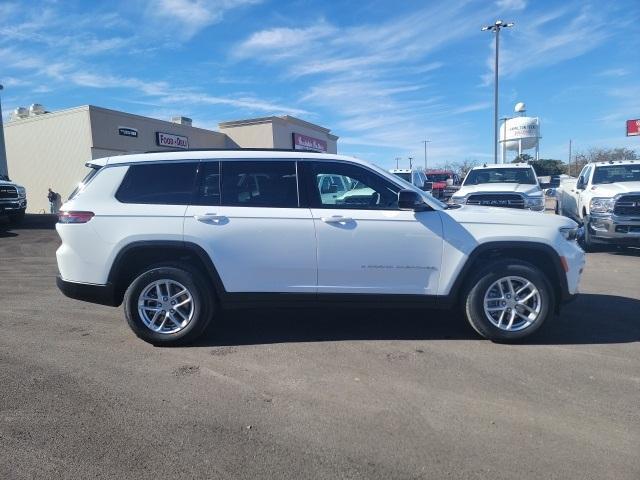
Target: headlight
<point x="457" y="200"/>
<point x="535" y="203"/>
<point x="22" y="192"/>
<point x="602" y="205"/>
<point x="570" y="233"/>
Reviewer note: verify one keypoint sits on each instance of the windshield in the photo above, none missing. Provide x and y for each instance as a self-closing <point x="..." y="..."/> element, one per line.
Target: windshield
<point x="616" y="173"/>
<point x="404" y="176"/>
<point x="500" y="175"/>
<point x="439" y="177"/>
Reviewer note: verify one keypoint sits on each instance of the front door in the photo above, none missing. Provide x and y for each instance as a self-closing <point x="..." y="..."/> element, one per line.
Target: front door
<point x="246" y="216"/>
<point x="365" y="243"/>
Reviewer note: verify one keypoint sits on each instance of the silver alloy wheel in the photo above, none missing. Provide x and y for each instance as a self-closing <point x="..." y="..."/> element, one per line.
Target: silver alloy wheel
<point x="512" y="303"/>
<point x="165" y="306"/>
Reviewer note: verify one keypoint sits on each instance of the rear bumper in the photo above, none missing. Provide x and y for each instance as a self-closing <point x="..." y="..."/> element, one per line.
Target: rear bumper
<point x="101" y="294"/>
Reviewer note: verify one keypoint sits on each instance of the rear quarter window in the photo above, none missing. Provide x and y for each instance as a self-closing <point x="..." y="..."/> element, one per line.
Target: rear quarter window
<point x="161" y="183"/>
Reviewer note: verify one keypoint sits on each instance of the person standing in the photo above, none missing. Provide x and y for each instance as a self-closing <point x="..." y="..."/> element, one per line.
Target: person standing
<point x="53" y="201"/>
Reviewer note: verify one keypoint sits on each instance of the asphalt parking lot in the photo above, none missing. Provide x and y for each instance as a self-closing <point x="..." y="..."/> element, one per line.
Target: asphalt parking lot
<point x="321" y="394"/>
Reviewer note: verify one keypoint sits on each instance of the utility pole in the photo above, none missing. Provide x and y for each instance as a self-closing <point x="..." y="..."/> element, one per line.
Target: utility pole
<point x="4" y="168"/>
<point x="569" y="172"/>
<point x="397" y="163"/>
<point x="425" y="152"/>
<point x="496" y="27"/>
<point x="410" y="163"/>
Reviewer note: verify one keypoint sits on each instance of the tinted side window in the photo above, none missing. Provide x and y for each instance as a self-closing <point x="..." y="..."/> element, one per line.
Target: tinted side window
<point x="161" y="183"/>
<point x="208" y="184"/>
<point x="363" y="189"/>
<point x="259" y="184"/>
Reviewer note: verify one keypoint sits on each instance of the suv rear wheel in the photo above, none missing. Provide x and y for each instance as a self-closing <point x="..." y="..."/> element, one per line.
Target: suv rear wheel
<point x="169" y="305"/>
<point x="509" y="300"/>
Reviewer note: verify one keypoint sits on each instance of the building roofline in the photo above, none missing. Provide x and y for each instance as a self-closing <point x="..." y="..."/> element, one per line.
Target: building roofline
<point x="142" y="117"/>
<point x="43" y="116"/>
<point x="272" y="119"/>
<point x="94" y="108"/>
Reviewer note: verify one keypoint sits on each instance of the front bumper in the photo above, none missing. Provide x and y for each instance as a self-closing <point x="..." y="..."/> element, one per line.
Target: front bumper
<point x="614" y="228"/>
<point x="13" y="206"/>
<point x="101" y="294"/>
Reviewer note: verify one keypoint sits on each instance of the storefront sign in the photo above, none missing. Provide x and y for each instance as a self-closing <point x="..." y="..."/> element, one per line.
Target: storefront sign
<point x="633" y="128"/>
<point x="302" y="142"/>
<point x="128" y="132"/>
<point x="172" y="141"/>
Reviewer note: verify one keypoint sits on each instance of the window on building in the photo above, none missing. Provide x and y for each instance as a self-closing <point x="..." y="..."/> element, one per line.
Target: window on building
<point x="259" y="184"/>
<point x="169" y="183"/>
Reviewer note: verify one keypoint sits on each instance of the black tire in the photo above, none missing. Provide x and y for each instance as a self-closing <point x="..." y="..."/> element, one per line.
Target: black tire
<point x="485" y="278"/>
<point x="586" y="242"/>
<point x="16" y="218"/>
<point x="202" y="297"/>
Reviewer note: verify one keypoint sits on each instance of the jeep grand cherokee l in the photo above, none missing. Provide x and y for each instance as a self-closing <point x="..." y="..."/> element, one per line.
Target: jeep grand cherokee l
<point x="176" y="236"/>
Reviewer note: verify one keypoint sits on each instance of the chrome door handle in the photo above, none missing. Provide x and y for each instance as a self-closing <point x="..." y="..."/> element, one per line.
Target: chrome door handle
<point x="209" y="217"/>
<point x="336" y="219"/>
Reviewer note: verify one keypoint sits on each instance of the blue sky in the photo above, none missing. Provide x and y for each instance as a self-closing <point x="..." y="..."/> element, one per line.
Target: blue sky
<point x="383" y="75"/>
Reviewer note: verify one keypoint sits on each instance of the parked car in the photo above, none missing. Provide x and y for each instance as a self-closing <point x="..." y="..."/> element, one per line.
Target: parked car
<point x="512" y="185"/>
<point x="605" y="198"/>
<point x="414" y="177"/>
<point x="177" y="235"/>
<point x="445" y="183"/>
<point x="13" y="200"/>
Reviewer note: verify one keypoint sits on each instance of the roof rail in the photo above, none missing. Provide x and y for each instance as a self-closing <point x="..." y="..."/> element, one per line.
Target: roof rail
<point x="169" y="150"/>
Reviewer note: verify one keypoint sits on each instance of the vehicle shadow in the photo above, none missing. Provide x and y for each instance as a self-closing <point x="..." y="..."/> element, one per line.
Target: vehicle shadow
<point x="624" y="251"/>
<point x="34" y="221"/>
<point x="30" y="222"/>
<point x="591" y="319"/>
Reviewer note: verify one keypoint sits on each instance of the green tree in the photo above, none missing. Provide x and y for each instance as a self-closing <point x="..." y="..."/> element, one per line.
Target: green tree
<point x="522" y="158"/>
<point x="546" y="167"/>
<point x="543" y="167"/>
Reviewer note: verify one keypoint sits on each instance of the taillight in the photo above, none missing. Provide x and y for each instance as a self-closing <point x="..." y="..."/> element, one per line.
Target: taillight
<point x="74" y="217"/>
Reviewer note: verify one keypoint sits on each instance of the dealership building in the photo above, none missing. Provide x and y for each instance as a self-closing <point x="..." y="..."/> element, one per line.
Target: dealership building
<point x="49" y="149"/>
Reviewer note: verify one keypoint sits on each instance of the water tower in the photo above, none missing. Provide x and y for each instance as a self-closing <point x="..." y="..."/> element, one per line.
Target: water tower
<point x="520" y="133"/>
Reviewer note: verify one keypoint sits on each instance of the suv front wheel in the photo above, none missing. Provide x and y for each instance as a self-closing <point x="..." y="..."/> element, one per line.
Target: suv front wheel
<point x="169" y="305"/>
<point x="509" y="300"/>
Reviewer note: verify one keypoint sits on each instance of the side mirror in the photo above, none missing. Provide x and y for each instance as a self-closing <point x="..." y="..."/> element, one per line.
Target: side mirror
<point x="427" y="186"/>
<point x="411" y="200"/>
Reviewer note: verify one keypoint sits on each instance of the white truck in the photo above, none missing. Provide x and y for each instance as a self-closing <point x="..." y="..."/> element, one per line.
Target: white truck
<point x="605" y="198"/>
<point x="512" y="185"/>
<point x="13" y="200"/>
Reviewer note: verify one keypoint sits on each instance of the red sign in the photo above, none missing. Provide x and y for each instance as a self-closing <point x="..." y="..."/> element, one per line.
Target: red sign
<point x="302" y="142"/>
<point x="633" y="128"/>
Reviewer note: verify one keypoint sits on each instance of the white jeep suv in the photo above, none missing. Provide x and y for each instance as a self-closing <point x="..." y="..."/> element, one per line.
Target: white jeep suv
<point x="511" y="185"/>
<point x="177" y="235"/>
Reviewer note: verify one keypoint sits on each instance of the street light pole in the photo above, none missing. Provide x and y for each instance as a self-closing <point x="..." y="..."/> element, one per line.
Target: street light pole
<point x="496" y="27"/>
<point x="4" y="169"/>
<point x="410" y="163"/>
<point x="425" y="152"/>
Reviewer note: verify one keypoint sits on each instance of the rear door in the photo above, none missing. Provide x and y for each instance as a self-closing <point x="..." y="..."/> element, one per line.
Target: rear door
<point x="247" y="217"/>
